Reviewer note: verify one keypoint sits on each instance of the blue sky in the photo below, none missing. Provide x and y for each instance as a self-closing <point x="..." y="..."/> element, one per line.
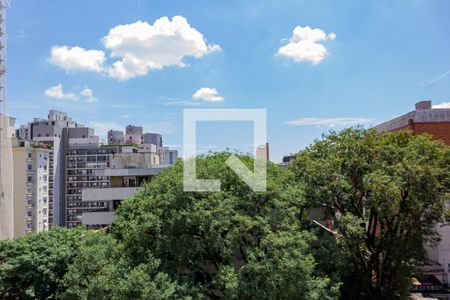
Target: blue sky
<point x="367" y="61"/>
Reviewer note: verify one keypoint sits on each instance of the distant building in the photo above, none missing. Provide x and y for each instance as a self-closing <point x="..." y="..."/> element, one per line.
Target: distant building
<point x="22" y="132"/>
<point x="50" y="132"/>
<point x="81" y="161"/>
<point x="424" y="119"/>
<point x="99" y="178"/>
<point x="134" y="135"/>
<point x="168" y="156"/>
<point x="153" y="138"/>
<point x="31" y="189"/>
<point x="262" y="152"/>
<point x="147" y="148"/>
<point x="116" y="137"/>
<point x="287" y="160"/>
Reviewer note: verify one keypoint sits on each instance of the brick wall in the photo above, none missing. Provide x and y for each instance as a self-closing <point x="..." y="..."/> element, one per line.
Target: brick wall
<point x="439" y="130"/>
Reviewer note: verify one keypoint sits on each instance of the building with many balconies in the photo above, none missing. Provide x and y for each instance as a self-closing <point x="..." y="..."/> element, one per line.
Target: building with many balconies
<point x="31" y="189"/>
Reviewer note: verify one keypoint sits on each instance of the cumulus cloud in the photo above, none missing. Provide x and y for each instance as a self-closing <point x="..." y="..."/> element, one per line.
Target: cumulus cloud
<point x="58" y="93"/>
<point x="330" y="122"/>
<point x="142" y="46"/>
<point x="88" y="94"/>
<point x="442" y="105"/>
<point x="77" y="59"/>
<point x="304" y="45"/>
<point x="208" y="94"/>
<point x="138" y="48"/>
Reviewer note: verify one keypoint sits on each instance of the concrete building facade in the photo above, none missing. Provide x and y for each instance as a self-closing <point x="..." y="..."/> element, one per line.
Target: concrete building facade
<point x="168" y="156"/>
<point x="116" y="137"/>
<point x="6" y="177"/>
<point x="153" y="138"/>
<point x="127" y="173"/>
<point x="31" y="190"/>
<point x="99" y="177"/>
<point x="50" y="132"/>
<point x="6" y="134"/>
<point x="134" y="135"/>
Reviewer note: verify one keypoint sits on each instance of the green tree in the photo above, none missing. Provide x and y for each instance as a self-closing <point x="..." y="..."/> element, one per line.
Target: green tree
<point x="231" y="244"/>
<point x="385" y="192"/>
<point x="100" y="271"/>
<point x="32" y="267"/>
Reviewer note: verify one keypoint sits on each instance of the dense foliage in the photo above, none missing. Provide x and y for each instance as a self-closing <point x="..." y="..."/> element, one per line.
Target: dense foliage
<point x="384" y="194"/>
<point x="234" y="243"/>
<point x="32" y="267"/>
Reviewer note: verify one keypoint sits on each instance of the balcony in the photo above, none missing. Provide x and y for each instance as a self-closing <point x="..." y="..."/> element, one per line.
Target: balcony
<point x="108" y="194"/>
<point x="97" y="218"/>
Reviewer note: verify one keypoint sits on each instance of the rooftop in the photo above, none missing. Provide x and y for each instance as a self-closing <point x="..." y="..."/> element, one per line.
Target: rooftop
<point x="424" y="112"/>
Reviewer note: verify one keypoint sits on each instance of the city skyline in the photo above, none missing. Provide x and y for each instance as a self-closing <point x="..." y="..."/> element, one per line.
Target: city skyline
<point x="244" y="55"/>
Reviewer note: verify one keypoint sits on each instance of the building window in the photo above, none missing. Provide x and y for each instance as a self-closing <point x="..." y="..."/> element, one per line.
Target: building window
<point x="30" y="179"/>
<point x="30" y="167"/>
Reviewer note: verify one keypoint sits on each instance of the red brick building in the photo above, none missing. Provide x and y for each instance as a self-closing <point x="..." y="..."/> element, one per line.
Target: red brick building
<point x="424" y="119"/>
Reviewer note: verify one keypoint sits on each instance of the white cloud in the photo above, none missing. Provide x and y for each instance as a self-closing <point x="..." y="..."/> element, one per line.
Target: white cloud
<point x="442" y="105"/>
<point x="168" y="101"/>
<point x="183" y="102"/>
<point x="77" y="59"/>
<point x="88" y="94"/>
<point x="330" y="122"/>
<point x="304" y="45"/>
<point x="58" y="93"/>
<point x="429" y="81"/>
<point x="142" y="46"/>
<point x="208" y="94"/>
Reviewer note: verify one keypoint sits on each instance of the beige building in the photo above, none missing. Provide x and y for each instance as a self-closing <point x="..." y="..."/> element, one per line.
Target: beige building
<point x="6" y="182"/>
<point x="31" y="190"/>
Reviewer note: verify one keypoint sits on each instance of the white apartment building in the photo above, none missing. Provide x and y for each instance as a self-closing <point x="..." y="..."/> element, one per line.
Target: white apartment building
<point x="50" y="132"/>
<point x="31" y="188"/>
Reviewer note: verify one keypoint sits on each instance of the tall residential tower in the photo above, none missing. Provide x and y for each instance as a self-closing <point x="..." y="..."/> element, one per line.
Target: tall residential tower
<point x="6" y="133"/>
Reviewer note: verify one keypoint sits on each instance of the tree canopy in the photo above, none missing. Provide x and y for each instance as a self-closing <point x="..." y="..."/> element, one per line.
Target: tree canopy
<point x="235" y="243"/>
<point x="32" y="267"/>
<point x="385" y="193"/>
